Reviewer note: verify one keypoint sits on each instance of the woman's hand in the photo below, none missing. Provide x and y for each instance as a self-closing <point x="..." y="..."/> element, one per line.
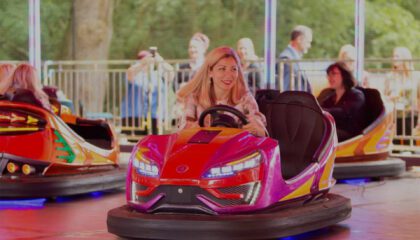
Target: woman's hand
<point x="255" y="126"/>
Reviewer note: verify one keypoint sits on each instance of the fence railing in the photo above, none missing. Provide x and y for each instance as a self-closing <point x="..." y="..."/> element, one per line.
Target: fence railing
<point x="145" y="105"/>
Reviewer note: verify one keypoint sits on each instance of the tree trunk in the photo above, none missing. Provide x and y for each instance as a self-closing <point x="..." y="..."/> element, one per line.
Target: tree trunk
<point x="92" y="29"/>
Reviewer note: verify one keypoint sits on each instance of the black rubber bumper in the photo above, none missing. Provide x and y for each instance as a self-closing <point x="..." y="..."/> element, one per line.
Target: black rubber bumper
<point x="381" y="168"/>
<point x="61" y="185"/>
<point x="332" y="209"/>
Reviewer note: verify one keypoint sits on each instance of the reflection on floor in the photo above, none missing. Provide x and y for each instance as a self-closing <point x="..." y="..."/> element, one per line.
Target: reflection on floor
<point x="386" y="209"/>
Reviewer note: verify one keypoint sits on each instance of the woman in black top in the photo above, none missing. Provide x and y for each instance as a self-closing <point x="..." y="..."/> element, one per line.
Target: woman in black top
<point x="346" y="103"/>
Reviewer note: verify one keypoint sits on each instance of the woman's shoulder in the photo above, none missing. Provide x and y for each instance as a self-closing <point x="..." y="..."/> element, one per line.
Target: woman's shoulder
<point x="356" y="93"/>
<point x="190" y="99"/>
<point x="247" y="101"/>
<point x="247" y="97"/>
<point x="356" y="90"/>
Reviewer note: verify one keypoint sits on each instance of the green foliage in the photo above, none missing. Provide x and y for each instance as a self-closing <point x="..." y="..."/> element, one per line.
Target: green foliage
<point x="14" y="29"/>
<point x="332" y="23"/>
<point x="55" y="22"/>
<point x="55" y="18"/>
<point x="169" y="24"/>
<point x="389" y="25"/>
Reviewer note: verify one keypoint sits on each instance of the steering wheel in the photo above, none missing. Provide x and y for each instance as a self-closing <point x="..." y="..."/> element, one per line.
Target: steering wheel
<point x="223" y="120"/>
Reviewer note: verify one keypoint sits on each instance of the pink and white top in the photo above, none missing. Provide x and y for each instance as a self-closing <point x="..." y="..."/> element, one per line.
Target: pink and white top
<point x="247" y="105"/>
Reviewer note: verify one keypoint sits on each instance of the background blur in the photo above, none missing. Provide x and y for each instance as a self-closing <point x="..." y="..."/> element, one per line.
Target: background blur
<point x="131" y="25"/>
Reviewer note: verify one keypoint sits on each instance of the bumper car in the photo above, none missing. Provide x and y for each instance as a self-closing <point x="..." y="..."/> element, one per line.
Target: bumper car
<point x="221" y="182"/>
<point x="367" y="155"/>
<point x="44" y="155"/>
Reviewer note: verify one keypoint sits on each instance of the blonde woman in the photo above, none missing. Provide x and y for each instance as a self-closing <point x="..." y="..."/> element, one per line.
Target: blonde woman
<point x="347" y="54"/>
<point x="220" y="81"/>
<point x="401" y="86"/>
<point x="6" y="71"/>
<point x="249" y="63"/>
<point x="197" y="48"/>
<point x="24" y="77"/>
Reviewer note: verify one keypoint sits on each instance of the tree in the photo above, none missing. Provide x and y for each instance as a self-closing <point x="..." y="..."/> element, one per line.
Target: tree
<point x="168" y="24"/>
<point x="92" y="22"/>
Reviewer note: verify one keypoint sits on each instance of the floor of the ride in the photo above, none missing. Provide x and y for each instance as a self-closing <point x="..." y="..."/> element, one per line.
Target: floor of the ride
<point x="388" y="209"/>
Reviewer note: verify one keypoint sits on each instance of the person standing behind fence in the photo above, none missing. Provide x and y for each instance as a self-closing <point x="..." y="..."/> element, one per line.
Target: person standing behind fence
<point x="300" y="42"/>
<point x="142" y="90"/>
<point x="199" y="43"/>
<point x="250" y="64"/>
<point x="6" y="71"/>
<point x="401" y="86"/>
<point x="347" y="54"/>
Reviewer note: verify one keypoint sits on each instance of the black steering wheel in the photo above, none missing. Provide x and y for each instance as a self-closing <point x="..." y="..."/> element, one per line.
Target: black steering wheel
<point x="223" y="120"/>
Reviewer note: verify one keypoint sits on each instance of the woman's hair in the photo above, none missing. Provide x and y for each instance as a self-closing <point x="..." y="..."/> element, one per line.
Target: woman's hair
<point x="25" y="77"/>
<point x="348" y="78"/>
<point x="201" y="86"/>
<point x="248" y="42"/>
<point x="201" y="37"/>
<point x="406" y="60"/>
<point x="6" y="71"/>
<point x="347" y="51"/>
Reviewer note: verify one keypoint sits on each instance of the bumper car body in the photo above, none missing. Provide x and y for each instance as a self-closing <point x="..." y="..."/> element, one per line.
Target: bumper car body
<point x="42" y="155"/>
<point x="367" y="155"/>
<point x="225" y="183"/>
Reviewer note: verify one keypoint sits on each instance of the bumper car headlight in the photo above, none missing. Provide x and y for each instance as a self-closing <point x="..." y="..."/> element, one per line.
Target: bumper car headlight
<point x="248" y="162"/>
<point x="144" y="166"/>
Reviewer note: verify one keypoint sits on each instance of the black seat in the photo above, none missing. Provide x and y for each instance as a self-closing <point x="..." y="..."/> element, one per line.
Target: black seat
<point x="96" y="132"/>
<point x="53" y="98"/>
<point x="4" y="97"/>
<point x="325" y="94"/>
<point x="25" y="96"/>
<point x="50" y="91"/>
<point x="296" y="121"/>
<point x="374" y="105"/>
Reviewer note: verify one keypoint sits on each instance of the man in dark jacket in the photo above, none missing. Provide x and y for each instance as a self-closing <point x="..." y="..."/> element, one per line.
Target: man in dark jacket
<point x="300" y="42"/>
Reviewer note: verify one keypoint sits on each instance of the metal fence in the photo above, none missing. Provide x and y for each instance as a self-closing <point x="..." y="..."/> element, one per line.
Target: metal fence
<point x="145" y="105"/>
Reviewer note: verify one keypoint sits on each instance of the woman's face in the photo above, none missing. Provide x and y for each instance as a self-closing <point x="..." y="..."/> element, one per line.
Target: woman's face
<point x="196" y="49"/>
<point x="225" y="74"/>
<point x="335" y="79"/>
<point x="348" y="60"/>
<point x="243" y="50"/>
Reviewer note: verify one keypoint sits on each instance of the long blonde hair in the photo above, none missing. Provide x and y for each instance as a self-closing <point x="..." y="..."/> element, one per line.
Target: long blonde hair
<point x="202" y="38"/>
<point x="6" y="71"/>
<point x="406" y="61"/>
<point x="25" y="77"/>
<point x="248" y="42"/>
<point x="201" y="86"/>
<point x="347" y="52"/>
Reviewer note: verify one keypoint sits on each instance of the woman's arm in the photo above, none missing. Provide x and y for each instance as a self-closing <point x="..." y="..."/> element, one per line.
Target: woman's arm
<point x="136" y="68"/>
<point x="188" y="113"/>
<point x="255" y="126"/>
<point x="257" y="121"/>
<point x="166" y="68"/>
